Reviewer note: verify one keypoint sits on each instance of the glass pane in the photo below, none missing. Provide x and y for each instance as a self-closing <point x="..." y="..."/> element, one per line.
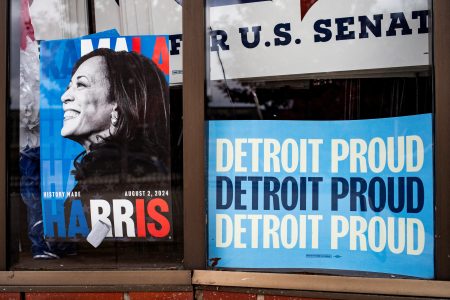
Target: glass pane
<point x="95" y="135"/>
<point x="320" y="154"/>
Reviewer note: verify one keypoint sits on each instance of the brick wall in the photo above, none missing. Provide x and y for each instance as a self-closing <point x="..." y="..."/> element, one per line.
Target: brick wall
<point x="9" y="296"/>
<point x="99" y="296"/>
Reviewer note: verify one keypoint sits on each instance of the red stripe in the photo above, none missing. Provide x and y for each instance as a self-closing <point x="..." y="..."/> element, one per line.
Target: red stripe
<point x="305" y="5"/>
<point x="136" y="43"/>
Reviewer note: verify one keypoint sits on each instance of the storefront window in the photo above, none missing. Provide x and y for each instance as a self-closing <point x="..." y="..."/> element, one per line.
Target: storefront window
<point x="320" y="139"/>
<point x="95" y="158"/>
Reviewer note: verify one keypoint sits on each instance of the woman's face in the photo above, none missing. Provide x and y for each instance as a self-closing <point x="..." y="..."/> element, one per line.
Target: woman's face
<point x="87" y="113"/>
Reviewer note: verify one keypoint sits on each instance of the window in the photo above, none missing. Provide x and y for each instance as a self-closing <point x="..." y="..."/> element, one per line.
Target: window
<point x="319" y="180"/>
<point x="50" y="211"/>
<point x="281" y="87"/>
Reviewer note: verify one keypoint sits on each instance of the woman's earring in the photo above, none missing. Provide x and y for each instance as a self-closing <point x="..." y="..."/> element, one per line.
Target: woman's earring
<point x="114" y="118"/>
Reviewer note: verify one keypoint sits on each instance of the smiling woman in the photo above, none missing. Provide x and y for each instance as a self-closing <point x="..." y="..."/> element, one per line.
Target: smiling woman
<point x="87" y="110"/>
<point x="116" y="107"/>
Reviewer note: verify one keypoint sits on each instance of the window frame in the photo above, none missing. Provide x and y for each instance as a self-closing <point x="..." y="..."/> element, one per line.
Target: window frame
<point x="441" y="66"/>
<point x="4" y="16"/>
<point x="194" y="66"/>
<point x="439" y="43"/>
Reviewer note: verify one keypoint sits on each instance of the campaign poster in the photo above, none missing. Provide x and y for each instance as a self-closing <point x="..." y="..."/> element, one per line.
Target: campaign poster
<point x="105" y="150"/>
<point x="337" y="195"/>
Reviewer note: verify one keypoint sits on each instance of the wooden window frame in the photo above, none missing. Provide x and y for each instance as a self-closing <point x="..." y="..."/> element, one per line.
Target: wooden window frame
<point x="194" y="66"/>
<point x="4" y="68"/>
<point x="440" y="43"/>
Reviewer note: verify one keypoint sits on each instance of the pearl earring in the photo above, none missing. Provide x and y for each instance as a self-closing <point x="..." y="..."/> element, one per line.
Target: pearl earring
<point x="114" y="118"/>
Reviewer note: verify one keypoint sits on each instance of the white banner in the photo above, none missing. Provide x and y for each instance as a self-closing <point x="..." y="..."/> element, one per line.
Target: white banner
<point x="333" y="36"/>
<point x="261" y="38"/>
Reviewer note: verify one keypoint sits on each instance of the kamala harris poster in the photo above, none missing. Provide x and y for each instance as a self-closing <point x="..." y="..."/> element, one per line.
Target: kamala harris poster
<point x="105" y="153"/>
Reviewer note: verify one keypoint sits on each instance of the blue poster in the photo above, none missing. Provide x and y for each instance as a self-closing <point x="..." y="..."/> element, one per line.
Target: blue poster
<point x="105" y="148"/>
<point x="337" y="195"/>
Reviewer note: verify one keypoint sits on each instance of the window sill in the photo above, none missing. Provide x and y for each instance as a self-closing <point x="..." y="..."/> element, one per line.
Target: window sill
<point x="172" y="280"/>
<point x="338" y="284"/>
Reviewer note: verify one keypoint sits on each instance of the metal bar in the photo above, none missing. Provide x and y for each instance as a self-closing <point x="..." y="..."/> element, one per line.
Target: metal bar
<point x="91" y="16"/>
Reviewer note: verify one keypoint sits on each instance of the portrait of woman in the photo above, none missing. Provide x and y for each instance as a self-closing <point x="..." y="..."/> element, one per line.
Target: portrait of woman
<point x="116" y="107"/>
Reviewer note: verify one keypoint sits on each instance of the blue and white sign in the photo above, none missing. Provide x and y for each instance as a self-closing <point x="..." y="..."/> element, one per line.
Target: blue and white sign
<point x="345" y="195"/>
